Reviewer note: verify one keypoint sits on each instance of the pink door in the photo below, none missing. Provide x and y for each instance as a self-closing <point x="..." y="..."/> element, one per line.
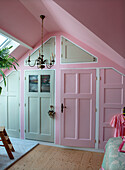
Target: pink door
<point x="78" y="98"/>
<point x="112" y="100"/>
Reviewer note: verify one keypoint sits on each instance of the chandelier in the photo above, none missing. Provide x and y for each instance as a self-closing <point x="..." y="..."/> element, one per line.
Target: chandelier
<point x="40" y="62"/>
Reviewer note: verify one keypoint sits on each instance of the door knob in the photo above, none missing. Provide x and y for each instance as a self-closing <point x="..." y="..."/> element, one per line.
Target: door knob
<point x="62" y="107"/>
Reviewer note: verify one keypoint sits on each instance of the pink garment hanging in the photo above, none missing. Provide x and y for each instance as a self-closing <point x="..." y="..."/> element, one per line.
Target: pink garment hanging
<point x="117" y="122"/>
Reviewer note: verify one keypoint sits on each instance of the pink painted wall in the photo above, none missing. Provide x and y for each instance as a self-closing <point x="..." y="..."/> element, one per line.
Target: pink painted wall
<point x="103" y="61"/>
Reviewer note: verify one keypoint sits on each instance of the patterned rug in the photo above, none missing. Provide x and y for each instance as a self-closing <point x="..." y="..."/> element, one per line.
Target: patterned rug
<point x="21" y="148"/>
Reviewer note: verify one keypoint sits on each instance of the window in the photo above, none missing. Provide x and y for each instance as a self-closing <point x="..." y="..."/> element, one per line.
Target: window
<point x="71" y="53"/>
<point x="45" y="83"/>
<point x="33" y="83"/>
<point x="7" y="42"/>
<point x="3" y="39"/>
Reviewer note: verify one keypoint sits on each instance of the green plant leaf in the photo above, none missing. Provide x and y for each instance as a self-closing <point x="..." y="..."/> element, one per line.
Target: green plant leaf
<point x="6" y="62"/>
<point x="3" y="75"/>
<point x="10" y="47"/>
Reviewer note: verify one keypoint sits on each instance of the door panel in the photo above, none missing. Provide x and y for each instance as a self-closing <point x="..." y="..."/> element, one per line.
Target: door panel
<point x="33" y="120"/>
<point x="12" y="113"/>
<point x="13" y="104"/>
<point x="12" y="83"/>
<point x="69" y="86"/>
<point x="69" y="118"/>
<point x="4" y="89"/>
<point x="78" y="117"/>
<point x="39" y="95"/>
<point x="112" y="100"/>
<point x="85" y="119"/>
<point x="86" y="86"/>
<point x="3" y="110"/>
<point x="45" y="121"/>
<point x="113" y="95"/>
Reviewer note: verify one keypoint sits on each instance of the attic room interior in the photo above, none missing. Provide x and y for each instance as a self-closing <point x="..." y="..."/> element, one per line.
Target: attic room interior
<point x="62" y="83"/>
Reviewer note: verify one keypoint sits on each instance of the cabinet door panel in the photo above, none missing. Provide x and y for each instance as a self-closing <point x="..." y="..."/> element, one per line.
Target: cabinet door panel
<point x="112" y="100"/>
<point x="9" y="104"/>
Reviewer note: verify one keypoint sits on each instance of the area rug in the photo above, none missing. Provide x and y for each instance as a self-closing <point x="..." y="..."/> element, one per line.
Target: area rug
<point x="45" y="157"/>
<point x="21" y="148"/>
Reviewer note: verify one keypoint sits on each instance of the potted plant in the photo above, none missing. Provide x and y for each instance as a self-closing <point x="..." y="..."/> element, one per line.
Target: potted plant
<point x="6" y="62"/>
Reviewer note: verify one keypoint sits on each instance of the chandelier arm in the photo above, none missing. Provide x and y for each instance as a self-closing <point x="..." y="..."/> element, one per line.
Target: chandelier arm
<point x="33" y="64"/>
<point x="37" y="66"/>
<point x="49" y="66"/>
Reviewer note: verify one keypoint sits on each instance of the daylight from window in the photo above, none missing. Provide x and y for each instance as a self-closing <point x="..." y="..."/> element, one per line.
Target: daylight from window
<point x="3" y="39"/>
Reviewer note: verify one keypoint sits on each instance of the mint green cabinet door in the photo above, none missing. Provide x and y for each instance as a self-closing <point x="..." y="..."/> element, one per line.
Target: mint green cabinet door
<point x="39" y="95"/>
<point x="9" y="105"/>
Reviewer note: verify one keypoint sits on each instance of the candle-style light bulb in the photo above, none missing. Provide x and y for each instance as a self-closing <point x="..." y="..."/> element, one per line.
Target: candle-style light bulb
<point x="29" y="58"/>
<point x="52" y="57"/>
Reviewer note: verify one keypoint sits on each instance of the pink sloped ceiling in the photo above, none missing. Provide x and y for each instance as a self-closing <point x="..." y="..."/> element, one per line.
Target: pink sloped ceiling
<point x="99" y="23"/>
<point x="58" y="19"/>
<point x="105" y="18"/>
<point x="16" y="20"/>
<point x="19" y="52"/>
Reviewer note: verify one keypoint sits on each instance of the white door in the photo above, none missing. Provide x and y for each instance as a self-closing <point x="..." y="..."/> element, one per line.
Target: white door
<point x="9" y="105"/>
<point x="78" y="99"/>
<point x="39" y="96"/>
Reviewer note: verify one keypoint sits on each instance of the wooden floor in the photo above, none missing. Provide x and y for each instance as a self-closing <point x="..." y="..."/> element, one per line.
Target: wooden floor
<point x="53" y="158"/>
